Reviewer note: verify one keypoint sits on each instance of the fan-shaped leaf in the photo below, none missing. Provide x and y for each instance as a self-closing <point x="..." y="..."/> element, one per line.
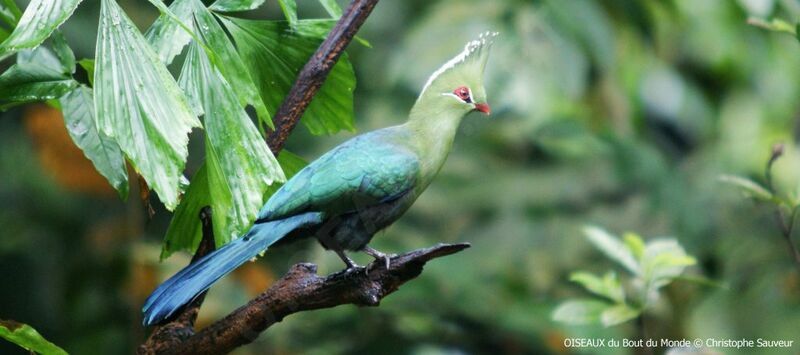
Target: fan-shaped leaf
<point x="103" y="151"/>
<point x="240" y="165"/>
<point x="274" y="55"/>
<point x="39" y="20"/>
<point x="139" y="103"/>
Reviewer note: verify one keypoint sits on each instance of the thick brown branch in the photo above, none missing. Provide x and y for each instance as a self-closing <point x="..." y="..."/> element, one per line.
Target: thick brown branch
<point x="314" y="73"/>
<point x="301" y="289"/>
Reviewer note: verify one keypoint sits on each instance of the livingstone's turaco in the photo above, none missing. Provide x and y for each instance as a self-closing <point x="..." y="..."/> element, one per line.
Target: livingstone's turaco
<point x="353" y="191"/>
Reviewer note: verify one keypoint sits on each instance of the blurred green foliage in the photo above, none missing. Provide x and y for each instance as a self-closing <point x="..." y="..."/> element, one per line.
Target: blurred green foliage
<point x="619" y="113"/>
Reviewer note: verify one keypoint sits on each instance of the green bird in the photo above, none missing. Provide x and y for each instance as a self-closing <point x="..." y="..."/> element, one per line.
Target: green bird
<point x="353" y="191"/>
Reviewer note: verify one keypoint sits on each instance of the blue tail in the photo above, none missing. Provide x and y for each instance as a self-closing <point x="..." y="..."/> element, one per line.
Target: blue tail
<point x="184" y="286"/>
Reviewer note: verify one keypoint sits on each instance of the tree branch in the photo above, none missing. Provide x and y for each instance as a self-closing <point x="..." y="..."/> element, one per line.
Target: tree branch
<point x="301" y="289"/>
<point x="181" y="326"/>
<point x="316" y="70"/>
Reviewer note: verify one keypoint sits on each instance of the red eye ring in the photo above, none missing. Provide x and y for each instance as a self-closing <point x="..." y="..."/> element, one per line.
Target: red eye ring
<point x="463" y="94"/>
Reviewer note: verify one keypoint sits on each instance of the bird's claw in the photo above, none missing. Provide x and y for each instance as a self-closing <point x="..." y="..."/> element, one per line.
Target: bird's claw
<point x="387" y="258"/>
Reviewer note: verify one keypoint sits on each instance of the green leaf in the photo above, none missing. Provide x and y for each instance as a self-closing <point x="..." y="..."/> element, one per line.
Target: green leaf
<point x="580" y="312"/>
<point x="289" y="8"/>
<point x="166" y="36"/>
<point x="274" y="55"/>
<point x="617" y="314"/>
<point x="776" y="25"/>
<point x="147" y="113"/>
<point x="88" y="66"/>
<point x="332" y="8"/>
<point x="39" y="20"/>
<point x="63" y="52"/>
<point x="229" y="63"/>
<point x="37" y="76"/>
<point x="235" y="5"/>
<point x="612" y="247"/>
<point x="28" y="338"/>
<point x="663" y="261"/>
<point x="103" y="151"/>
<point x="608" y="286"/>
<point x="635" y="244"/>
<point x="9" y="12"/>
<point x="240" y="165"/>
<point x="749" y="187"/>
<point x="185" y="230"/>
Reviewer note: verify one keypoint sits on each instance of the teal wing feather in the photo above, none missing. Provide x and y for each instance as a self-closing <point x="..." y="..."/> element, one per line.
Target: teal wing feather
<point x="365" y="170"/>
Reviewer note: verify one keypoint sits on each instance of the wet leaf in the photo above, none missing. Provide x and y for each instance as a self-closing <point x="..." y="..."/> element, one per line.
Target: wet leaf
<point x="166" y="36"/>
<point x="147" y="113"/>
<point x="103" y="151"/>
<point x="39" y="20"/>
<point x="37" y="76"/>
<point x="240" y="165"/>
<point x="235" y="5"/>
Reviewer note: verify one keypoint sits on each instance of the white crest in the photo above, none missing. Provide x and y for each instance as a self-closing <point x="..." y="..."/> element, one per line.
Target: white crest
<point x="471" y="48"/>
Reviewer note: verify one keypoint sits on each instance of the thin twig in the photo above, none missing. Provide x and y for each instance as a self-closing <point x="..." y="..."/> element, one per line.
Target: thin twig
<point x="316" y="70"/>
<point x="787" y="228"/>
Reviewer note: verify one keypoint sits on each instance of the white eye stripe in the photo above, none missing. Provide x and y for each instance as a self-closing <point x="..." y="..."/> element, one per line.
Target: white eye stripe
<point x="468" y="101"/>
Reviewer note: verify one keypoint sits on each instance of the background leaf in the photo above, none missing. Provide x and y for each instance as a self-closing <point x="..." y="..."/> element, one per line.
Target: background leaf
<point x="274" y="55"/>
<point x="147" y="113"/>
<point x="608" y="286"/>
<point x="332" y="8"/>
<point x="612" y="247"/>
<point x="10" y="12"/>
<point x="39" y="20"/>
<point x="103" y="151"/>
<point x="580" y="312"/>
<point x="619" y="313"/>
<point x="28" y="338"/>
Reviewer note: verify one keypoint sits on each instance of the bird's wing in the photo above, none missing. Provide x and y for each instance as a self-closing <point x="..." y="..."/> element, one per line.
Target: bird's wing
<point x="366" y="170"/>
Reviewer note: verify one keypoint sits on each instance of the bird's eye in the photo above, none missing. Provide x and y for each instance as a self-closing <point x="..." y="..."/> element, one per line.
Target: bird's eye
<point x="463" y="94"/>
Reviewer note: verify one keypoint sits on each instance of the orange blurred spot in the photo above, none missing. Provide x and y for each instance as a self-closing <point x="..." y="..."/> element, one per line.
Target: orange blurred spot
<point x="254" y="277"/>
<point x="58" y="154"/>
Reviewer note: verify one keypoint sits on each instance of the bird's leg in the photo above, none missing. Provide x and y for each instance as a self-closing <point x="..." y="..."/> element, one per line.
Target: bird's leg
<point x="379" y="255"/>
<point x="349" y="262"/>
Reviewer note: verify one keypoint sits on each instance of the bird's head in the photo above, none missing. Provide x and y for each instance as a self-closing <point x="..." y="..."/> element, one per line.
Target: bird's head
<point x="458" y="84"/>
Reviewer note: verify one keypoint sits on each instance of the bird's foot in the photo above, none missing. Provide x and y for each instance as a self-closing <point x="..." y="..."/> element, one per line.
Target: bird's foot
<point x="347" y="261"/>
<point x="387" y="258"/>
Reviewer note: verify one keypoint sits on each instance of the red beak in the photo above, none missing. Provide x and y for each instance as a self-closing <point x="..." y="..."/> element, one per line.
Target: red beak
<point x="483" y="107"/>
